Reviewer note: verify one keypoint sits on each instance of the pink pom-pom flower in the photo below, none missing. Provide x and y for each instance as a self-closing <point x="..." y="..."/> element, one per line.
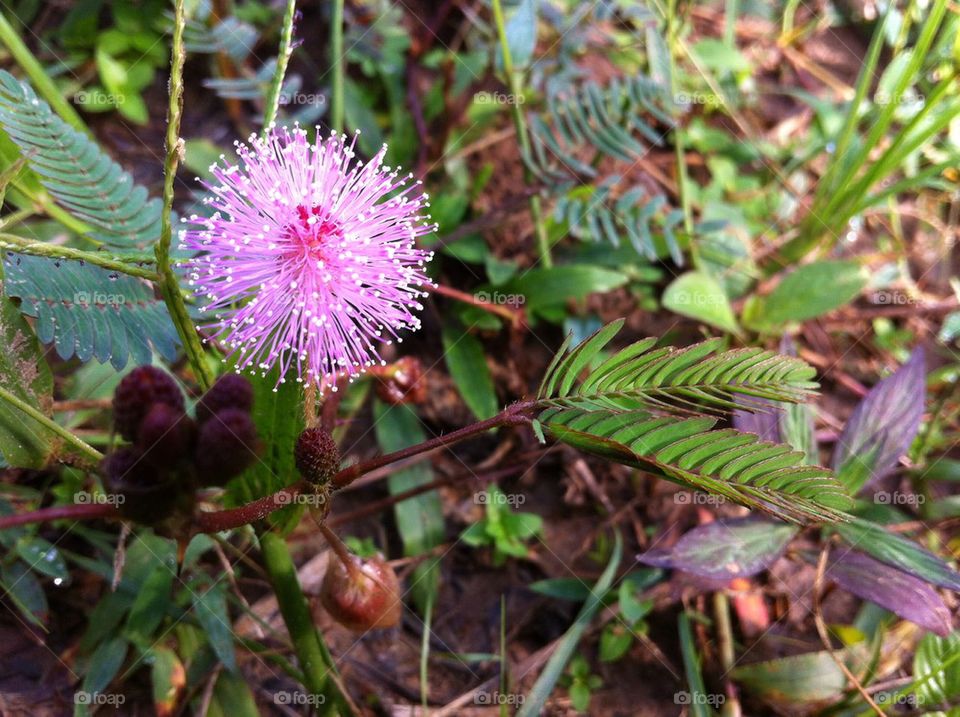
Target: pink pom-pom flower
<point x="309" y="259"/>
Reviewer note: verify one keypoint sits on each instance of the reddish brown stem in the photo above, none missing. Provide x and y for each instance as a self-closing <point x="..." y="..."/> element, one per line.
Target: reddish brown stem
<point x="220" y="520"/>
<point x="60" y="512"/>
<point x="511" y="416"/>
<point x="514" y="316"/>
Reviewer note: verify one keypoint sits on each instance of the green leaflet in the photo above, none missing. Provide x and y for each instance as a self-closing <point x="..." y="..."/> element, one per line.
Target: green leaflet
<point x="688" y="379"/>
<point x="651" y="408"/>
<point x="82" y="178"/>
<point x="90" y="312"/>
<point x="613" y="120"/>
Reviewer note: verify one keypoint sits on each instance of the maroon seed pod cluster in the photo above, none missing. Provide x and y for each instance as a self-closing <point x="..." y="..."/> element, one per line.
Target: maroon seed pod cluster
<point x="317" y="456"/>
<point x="171" y="454"/>
<point x="363" y="596"/>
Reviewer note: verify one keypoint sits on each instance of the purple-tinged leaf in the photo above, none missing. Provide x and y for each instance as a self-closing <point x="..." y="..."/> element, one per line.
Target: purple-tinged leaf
<point x="882" y="426"/>
<point x="901" y="593"/>
<point x="763" y="418"/>
<point x="899" y="552"/>
<point x="723" y="550"/>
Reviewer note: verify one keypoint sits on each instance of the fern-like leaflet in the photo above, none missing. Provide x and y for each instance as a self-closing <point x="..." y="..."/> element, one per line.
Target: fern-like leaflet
<point x="76" y="172"/>
<point x="653" y="408"/>
<point x="588" y="121"/>
<point x="89" y="312"/>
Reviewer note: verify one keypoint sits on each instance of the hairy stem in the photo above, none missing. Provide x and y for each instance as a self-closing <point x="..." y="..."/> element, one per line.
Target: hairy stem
<point x="91" y="511"/>
<point x="286" y="49"/>
<point x="336" y="66"/>
<point x="122" y="265"/>
<point x="168" y="284"/>
<point x="314" y="660"/>
<point x="84" y="448"/>
<point x="512" y="415"/>
<point x="520" y="122"/>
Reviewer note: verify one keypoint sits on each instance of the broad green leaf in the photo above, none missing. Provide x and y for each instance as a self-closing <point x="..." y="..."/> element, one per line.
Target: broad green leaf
<point x="465" y="359"/>
<point x="701" y="297"/>
<point x="20" y="585"/>
<point x="232" y="697"/>
<point x="149" y="608"/>
<point x="542" y="288"/>
<point x="808" y="292"/>
<point x="104" y="664"/>
<point x="419" y="519"/>
<point x="210" y="607"/>
<point x="278" y="415"/>
<point x="24" y="443"/>
<point x="43" y="557"/>
<point x="802" y="679"/>
<point x="521" y="31"/>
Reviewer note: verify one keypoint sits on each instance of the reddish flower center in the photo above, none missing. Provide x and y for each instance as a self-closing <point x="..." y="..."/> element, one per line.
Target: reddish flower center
<point x="309" y="235"/>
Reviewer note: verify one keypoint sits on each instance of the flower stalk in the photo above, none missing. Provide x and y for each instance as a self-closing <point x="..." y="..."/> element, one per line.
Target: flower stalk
<point x="168" y="284"/>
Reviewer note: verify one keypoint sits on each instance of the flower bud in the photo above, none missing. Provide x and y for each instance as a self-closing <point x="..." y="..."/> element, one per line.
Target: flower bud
<point x="363" y="596"/>
<point x="137" y="393"/>
<point x="401" y="382"/>
<point x="317" y="456"/>
<point x="166" y="436"/>
<point x="147" y="494"/>
<point x="230" y="391"/>
<point x="226" y="446"/>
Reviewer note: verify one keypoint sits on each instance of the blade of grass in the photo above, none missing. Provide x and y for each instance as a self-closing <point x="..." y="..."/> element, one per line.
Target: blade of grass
<point x="535" y="701"/>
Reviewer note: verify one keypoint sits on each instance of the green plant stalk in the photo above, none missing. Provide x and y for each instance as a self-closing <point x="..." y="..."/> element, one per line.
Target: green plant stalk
<point x="336" y="66"/>
<point x="730" y="11"/>
<point x="311" y="650"/>
<point x="314" y="661"/>
<point x="523" y="135"/>
<point x="168" y="284"/>
<point x="34" y="248"/>
<point x="673" y="29"/>
<point x="83" y="447"/>
<point x="283" y="58"/>
<point x="38" y="76"/>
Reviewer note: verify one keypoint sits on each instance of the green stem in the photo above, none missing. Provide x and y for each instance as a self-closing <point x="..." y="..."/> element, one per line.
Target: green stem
<point x="51" y="425"/>
<point x="673" y="28"/>
<point x="314" y="660"/>
<point x="283" y="58"/>
<point x="34" y="248"/>
<point x="168" y="284"/>
<point x="520" y="122"/>
<point x="336" y="66"/>
<point x="38" y="76"/>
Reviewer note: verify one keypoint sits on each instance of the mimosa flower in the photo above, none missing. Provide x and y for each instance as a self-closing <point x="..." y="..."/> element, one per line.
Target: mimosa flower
<point x="309" y="260"/>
